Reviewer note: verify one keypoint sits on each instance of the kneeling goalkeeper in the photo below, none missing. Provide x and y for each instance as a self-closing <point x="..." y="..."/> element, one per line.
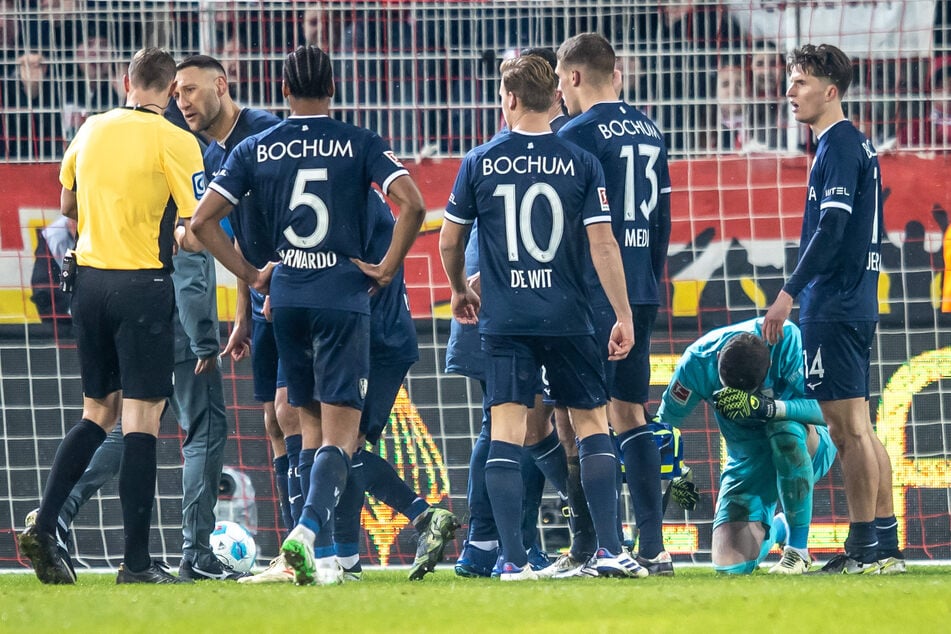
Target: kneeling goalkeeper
<point x="777" y="443"/>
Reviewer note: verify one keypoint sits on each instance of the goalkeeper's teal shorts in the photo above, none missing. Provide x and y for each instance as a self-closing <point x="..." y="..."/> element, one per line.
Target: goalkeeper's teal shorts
<point x="748" y="488"/>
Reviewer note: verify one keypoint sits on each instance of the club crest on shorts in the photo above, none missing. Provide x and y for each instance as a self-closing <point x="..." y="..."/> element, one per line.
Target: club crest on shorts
<point x="363" y="388"/>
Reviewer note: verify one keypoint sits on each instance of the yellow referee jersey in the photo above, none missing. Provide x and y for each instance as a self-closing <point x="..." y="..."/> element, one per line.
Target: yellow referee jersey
<point x="124" y="166"/>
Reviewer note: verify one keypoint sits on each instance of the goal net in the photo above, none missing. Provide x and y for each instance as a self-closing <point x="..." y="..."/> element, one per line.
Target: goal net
<point x="424" y="75"/>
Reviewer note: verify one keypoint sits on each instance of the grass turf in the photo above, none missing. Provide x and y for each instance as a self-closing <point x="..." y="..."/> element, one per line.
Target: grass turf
<point x="694" y="601"/>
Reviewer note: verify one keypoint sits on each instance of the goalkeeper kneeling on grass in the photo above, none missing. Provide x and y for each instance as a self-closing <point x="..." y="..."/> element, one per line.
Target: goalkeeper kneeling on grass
<point x="777" y="443"/>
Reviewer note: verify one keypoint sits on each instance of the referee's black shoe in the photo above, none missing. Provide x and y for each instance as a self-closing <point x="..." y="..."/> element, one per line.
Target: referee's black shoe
<point x="209" y="570"/>
<point x="156" y="573"/>
<point x="40" y="548"/>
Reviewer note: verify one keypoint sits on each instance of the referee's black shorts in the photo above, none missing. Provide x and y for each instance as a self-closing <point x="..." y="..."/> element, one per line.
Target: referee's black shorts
<point x="123" y="321"/>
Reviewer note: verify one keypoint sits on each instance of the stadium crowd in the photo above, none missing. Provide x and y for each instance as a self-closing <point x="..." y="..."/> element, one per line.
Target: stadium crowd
<point x="423" y="77"/>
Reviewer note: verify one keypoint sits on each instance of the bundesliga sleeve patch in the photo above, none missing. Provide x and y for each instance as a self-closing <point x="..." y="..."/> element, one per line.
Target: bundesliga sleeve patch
<point x="603" y="199"/>
<point x="390" y="155"/>
<point x="680" y="392"/>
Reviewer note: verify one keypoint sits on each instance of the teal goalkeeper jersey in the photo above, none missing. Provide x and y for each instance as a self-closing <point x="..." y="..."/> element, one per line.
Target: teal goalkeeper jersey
<point x="696" y="379"/>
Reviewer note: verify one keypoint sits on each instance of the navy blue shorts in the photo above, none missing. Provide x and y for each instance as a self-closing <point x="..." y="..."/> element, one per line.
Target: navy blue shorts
<point x="124" y="331"/>
<point x="574" y="369"/>
<point x="325" y="354"/>
<point x="628" y="379"/>
<point x="837" y="357"/>
<point x="264" y="361"/>
<point x="383" y="386"/>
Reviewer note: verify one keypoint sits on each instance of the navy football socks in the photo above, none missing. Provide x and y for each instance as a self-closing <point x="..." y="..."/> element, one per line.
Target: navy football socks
<point x="385" y="484"/>
<point x="280" y="481"/>
<point x="533" y="480"/>
<point x="328" y="479"/>
<point x="886" y="529"/>
<point x="584" y="541"/>
<point x="642" y="471"/>
<point x="295" y="491"/>
<point x="346" y="534"/>
<point x="599" y="479"/>
<point x="503" y="480"/>
<point x="862" y="542"/>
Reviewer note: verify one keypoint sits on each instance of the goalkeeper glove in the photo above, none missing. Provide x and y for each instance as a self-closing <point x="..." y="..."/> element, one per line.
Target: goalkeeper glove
<point x="734" y="404"/>
<point x="684" y="491"/>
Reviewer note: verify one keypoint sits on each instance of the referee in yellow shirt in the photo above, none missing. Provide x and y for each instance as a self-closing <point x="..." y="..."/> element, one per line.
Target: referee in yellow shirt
<point x="118" y="175"/>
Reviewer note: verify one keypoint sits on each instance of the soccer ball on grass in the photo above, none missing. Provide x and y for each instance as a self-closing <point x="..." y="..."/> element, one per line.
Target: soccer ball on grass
<point x="234" y="546"/>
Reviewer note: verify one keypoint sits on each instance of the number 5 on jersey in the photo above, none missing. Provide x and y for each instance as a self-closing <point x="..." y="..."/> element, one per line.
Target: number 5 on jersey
<point x="300" y="197"/>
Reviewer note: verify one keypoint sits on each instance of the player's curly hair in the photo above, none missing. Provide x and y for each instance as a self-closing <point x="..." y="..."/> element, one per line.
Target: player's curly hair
<point x="309" y="74"/>
<point x="743" y="362"/>
<point x="825" y="61"/>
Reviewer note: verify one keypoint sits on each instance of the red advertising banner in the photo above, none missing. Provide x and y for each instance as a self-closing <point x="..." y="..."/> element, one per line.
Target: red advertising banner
<point x="755" y="201"/>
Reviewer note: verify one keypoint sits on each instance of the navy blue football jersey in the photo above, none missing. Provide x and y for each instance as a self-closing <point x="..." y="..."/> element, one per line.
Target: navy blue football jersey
<point x="464" y="350"/>
<point x="533" y="195"/>
<point x="313" y="174"/>
<point x="392" y="331"/>
<point x="845" y="175"/>
<point x="252" y="239"/>
<point x="632" y="153"/>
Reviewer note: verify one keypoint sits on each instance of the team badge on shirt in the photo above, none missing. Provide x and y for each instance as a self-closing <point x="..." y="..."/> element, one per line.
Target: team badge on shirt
<point x="198" y="184"/>
<point x="680" y="392"/>
<point x="603" y="198"/>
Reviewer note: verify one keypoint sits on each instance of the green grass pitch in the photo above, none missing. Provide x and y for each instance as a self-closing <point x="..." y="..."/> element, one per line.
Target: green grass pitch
<point x="694" y="601"/>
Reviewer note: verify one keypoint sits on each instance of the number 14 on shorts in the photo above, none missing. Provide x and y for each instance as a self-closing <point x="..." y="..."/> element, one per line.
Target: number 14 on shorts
<point x="814" y="370"/>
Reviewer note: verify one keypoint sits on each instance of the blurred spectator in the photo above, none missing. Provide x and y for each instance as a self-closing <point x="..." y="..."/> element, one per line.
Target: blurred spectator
<point x="634" y="85"/>
<point x="452" y="41"/>
<point x="97" y="86"/>
<point x="929" y="124"/>
<point x="372" y="56"/>
<point x="751" y="102"/>
<point x="53" y="28"/>
<point x="867" y="111"/>
<point x="939" y="124"/>
<point x="684" y="43"/>
<point x="767" y="113"/>
<point x="385" y="80"/>
<point x="315" y="27"/>
<point x="733" y="98"/>
<point x="9" y="31"/>
<point x="31" y="122"/>
<point x="243" y="69"/>
<point x="52" y="242"/>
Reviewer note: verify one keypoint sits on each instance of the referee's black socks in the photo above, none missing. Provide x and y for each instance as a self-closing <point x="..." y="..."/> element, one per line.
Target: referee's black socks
<point x="72" y="458"/>
<point x="137" y="496"/>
